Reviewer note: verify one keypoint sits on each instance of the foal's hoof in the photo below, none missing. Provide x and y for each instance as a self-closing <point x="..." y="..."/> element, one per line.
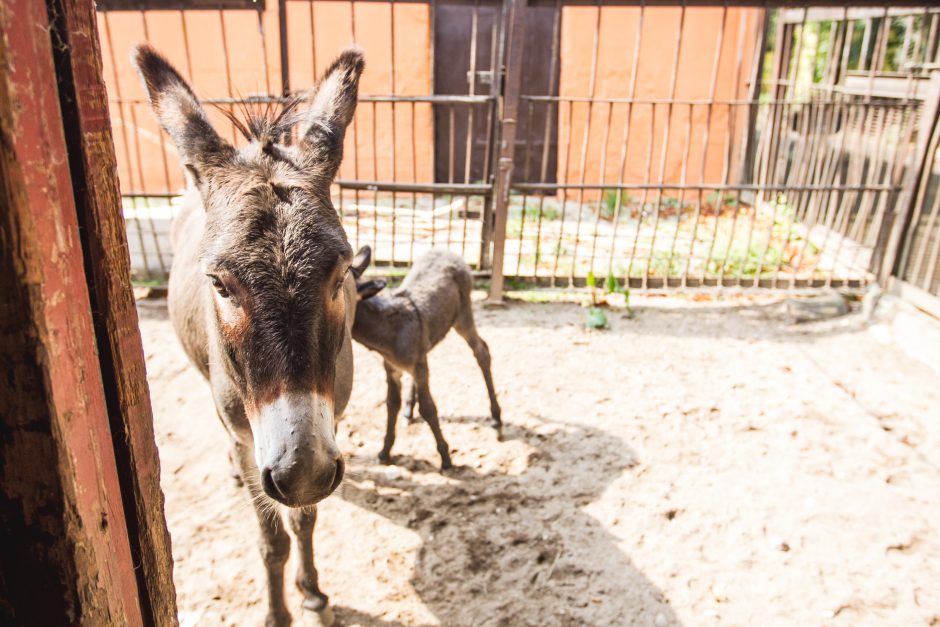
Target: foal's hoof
<point x="322" y="617"/>
<point x="385" y="459"/>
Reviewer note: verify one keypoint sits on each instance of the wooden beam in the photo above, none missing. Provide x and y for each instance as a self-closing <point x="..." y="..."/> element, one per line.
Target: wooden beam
<point x="71" y="353"/>
<point x="84" y="105"/>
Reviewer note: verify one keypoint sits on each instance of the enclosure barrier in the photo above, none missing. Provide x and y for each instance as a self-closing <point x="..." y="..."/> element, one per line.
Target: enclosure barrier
<point x="657" y="144"/>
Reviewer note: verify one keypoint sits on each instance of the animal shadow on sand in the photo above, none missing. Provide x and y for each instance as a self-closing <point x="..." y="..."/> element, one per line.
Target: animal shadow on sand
<point x="512" y="545"/>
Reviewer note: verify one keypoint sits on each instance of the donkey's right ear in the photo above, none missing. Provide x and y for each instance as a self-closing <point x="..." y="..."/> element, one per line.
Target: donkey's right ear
<point x="179" y="113"/>
<point x="361" y="261"/>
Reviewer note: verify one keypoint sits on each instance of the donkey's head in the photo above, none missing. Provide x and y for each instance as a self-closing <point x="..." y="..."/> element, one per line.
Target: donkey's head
<point x="274" y="258"/>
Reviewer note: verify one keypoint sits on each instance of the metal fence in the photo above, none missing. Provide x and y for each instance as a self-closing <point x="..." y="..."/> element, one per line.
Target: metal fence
<point x="682" y="145"/>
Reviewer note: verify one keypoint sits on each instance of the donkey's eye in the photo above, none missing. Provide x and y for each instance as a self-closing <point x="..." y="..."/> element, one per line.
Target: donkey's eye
<point x="337" y="288"/>
<point x="219" y="286"/>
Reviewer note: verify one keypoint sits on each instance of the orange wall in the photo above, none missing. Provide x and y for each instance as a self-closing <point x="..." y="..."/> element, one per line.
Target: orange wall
<point x="137" y="137"/>
<point x="317" y="33"/>
<point x="615" y="46"/>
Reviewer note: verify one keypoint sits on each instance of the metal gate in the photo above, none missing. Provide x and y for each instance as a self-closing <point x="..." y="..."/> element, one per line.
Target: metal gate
<point x="667" y="144"/>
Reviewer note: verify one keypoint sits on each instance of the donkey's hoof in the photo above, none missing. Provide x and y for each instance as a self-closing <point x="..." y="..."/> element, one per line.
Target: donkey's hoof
<point x="322" y="617"/>
<point x="385" y="459"/>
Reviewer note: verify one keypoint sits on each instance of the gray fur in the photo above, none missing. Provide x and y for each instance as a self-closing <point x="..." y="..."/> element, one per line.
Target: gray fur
<point x="407" y="323"/>
<point x="261" y="300"/>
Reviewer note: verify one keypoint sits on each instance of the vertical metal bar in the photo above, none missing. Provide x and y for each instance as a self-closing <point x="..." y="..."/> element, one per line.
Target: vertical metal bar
<point x="355" y="133"/>
<point x="625" y="145"/>
<point x="603" y="171"/>
<point x="313" y="42"/>
<point x="228" y="70"/>
<point x="124" y="140"/>
<point x="140" y="169"/>
<point x="516" y="10"/>
<point x="648" y="169"/>
<point x="414" y="176"/>
<point x="546" y="136"/>
<point x="468" y="156"/>
<point x="757" y="80"/>
<point x="665" y="147"/>
<point x="391" y="10"/>
<point x="586" y="139"/>
<point x="716" y="60"/>
<point x="726" y="168"/>
<point x="525" y="196"/>
<point x="264" y="57"/>
<point x="189" y="58"/>
<point x="375" y="177"/>
<point x="282" y="41"/>
<point x="450" y="169"/>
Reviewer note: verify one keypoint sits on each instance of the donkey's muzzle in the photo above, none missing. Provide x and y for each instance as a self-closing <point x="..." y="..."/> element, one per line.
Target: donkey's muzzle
<point x="292" y="486"/>
<point x="296" y="452"/>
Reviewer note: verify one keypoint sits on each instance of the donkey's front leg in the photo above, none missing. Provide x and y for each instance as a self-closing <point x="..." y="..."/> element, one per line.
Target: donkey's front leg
<point x="274" y="542"/>
<point x="316" y="608"/>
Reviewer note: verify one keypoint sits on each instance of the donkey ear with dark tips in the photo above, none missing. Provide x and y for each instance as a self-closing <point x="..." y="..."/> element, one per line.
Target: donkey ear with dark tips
<point x="179" y="113"/>
<point x="331" y="110"/>
<point x="361" y="261"/>
<point x="368" y="289"/>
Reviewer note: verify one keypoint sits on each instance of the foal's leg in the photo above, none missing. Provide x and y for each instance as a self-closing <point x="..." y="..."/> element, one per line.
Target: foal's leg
<point x="429" y="411"/>
<point x="316" y="604"/>
<point x="393" y="404"/>
<point x="410" y="398"/>
<point x="275" y="543"/>
<point x="234" y="467"/>
<point x="468" y="331"/>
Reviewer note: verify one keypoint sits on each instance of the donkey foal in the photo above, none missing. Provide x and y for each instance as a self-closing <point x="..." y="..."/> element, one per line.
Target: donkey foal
<point x="405" y="325"/>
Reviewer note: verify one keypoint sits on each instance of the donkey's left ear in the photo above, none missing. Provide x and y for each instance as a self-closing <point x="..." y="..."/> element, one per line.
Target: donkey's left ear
<point x="331" y="110"/>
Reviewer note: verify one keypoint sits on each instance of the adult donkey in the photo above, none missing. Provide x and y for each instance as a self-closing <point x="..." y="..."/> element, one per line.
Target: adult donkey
<point x="262" y="301"/>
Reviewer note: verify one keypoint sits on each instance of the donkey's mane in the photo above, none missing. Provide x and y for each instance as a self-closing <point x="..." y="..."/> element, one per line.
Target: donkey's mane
<point x="266" y="122"/>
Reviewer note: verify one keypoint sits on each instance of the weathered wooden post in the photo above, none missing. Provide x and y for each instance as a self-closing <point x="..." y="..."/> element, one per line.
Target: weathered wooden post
<point x="507" y="140"/>
<point x="81" y="512"/>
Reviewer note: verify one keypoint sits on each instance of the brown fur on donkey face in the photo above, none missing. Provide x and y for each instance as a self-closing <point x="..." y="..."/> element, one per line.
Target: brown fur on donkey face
<point x="260" y="294"/>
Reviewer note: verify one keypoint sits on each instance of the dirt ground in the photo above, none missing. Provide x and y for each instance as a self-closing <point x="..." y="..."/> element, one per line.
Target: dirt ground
<point x="696" y="465"/>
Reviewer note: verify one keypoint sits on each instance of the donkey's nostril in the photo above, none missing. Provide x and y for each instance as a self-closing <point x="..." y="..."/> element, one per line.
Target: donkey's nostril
<point x="270" y="486"/>
<point x="338" y="477"/>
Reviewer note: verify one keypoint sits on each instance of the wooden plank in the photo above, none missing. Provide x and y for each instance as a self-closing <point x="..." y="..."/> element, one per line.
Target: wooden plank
<point x="65" y="553"/>
<point x="93" y="164"/>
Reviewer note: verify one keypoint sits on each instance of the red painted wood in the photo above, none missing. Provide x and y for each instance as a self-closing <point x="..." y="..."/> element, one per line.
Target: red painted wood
<point x="53" y="280"/>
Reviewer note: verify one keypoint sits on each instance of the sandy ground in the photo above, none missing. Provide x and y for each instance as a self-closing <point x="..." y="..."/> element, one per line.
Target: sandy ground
<point x="696" y="465"/>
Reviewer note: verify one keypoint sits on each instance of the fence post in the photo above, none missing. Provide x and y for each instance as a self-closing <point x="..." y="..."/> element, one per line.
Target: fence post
<point x="515" y="42"/>
<point x="899" y="222"/>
